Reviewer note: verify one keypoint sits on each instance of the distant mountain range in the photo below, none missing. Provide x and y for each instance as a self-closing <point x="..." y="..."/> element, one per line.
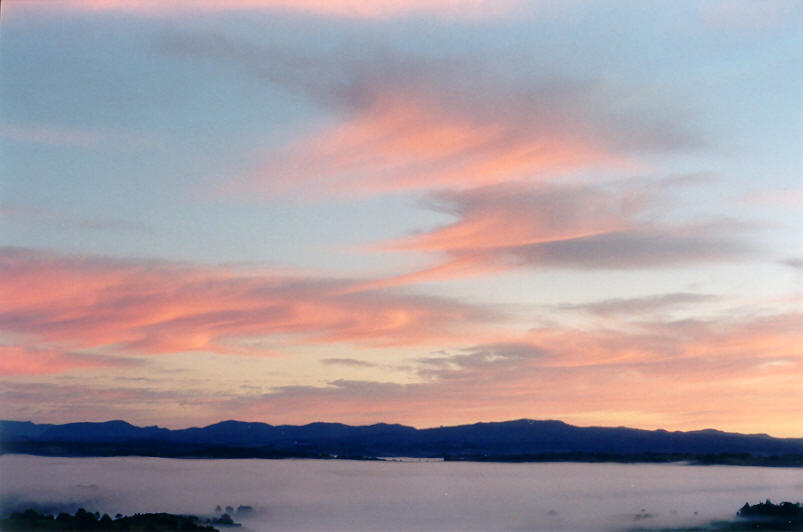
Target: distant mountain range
<point x="521" y="440"/>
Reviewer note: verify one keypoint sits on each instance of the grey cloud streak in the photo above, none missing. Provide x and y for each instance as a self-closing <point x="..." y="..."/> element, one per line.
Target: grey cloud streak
<point x="609" y="226"/>
<point x="485" y="355"/>
<point x="640" y="305"/>
<point x="350" y="362"/>
<point x="631" y="249"/>
<point x="795" y="263"/>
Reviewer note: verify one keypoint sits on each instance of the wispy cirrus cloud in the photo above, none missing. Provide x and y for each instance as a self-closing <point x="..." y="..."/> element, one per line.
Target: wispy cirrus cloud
<point x="129" y="307"/>
<point x="636" y="248"/>
<point x="410" y="122"/>
<point x="639" y="306"/>
<point x="400" y="143"/>
<point x="349" y="362"/>
<point x="486" y="146"/>
<point x="512" y="215"/>
<point x="613" y="226"/>
<point x="23" y="360"/>
<point x="490" y="356"/>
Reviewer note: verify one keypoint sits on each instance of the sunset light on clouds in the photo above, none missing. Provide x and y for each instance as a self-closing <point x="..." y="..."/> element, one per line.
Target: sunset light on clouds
<point x="418" y="212"/>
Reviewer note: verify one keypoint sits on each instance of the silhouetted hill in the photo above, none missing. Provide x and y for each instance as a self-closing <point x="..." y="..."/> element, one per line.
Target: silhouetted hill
<point x="108" y="431"/>
<point x="521" y="440"/>
<point x="17" y="430"/>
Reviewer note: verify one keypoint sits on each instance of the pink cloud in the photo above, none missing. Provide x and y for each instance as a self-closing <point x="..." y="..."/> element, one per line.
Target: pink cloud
<point x="127" y="307"/>
<point x="411" y="122"/>
<point x="515" y="215"/>
<point x="21" y="360"/>
<point x="526" y="225"/>
<point x="401" y="143"/>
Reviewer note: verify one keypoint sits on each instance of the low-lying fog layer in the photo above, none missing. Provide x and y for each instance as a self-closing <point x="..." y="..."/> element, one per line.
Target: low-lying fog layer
<point x="351" y="495"/>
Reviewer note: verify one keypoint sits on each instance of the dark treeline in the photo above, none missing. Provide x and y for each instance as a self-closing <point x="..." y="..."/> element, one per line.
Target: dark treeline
<point x="189" y="451"/>
<point x="740" y="459"/>
<point x="784" y="516"/>
<point x="761" y="516"/>
<point x="87" y="521"/>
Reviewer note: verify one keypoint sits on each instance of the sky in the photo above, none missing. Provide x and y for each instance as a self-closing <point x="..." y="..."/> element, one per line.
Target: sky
<point x="422" y="212"/>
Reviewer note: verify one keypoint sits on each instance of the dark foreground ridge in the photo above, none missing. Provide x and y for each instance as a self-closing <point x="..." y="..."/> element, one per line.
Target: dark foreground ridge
<point x="509" y="441"/>
<point x="761" y="516"/>
<point x="82" y="520"/>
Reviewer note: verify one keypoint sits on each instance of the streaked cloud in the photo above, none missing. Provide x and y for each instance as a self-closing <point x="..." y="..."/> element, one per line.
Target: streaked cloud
<point x="513" y="215"/>
<point x="796" y="263"/>
<point x="350" y="362"/>
<point x="409" y="122"/>
<point x="661" y="247"/>
<point x="639" y="306"/>
<point x="503" y="354"/>
<point x="586" y="227"/>
<point x="399" y="144"/>
<point x="129" y="307"/>
<point x="21" y="360"/>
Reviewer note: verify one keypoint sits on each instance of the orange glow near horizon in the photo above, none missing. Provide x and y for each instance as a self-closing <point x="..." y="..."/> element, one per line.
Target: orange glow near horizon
<point x="676" y="373"/>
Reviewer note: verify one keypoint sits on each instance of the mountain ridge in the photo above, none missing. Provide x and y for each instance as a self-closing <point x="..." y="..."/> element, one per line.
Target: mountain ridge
<point x="514" y="440"/>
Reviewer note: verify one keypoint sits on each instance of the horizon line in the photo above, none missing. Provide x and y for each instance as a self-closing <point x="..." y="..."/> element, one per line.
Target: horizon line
<point x="707" y="429"/>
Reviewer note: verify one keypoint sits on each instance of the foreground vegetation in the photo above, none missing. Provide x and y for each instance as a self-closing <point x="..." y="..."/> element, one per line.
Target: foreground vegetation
<point x="31" y="520"/>
<point x="761" y="516"/>
<point x="768" y="516"/>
